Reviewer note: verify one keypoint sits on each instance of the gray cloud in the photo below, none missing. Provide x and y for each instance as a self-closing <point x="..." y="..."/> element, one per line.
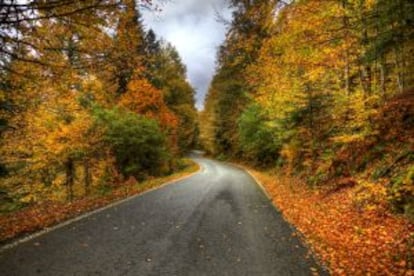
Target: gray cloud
<point x="192" y="27"/>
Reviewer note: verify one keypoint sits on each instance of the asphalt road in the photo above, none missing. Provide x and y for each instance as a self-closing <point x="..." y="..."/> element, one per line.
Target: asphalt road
<point x="217" y="222"/>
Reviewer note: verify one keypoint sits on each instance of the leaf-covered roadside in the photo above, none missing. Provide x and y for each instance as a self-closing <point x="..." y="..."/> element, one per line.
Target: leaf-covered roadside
<point x="350" y="240"/>
<point x="46" y="214"/>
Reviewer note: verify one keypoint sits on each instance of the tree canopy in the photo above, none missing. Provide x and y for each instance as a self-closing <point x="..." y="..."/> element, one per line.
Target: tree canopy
<point x="87" y="97"/>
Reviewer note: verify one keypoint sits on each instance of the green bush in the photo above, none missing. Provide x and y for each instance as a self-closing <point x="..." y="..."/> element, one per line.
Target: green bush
<point x="136" y="141"/>
<point x="401" y="194"/>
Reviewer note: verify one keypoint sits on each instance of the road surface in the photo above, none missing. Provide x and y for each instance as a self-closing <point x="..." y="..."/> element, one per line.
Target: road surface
<point x="217" y="222"/>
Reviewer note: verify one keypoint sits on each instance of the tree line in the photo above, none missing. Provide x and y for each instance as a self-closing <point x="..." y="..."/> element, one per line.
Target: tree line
<point x="323" y="89"/>
<point x="88" y="99"/>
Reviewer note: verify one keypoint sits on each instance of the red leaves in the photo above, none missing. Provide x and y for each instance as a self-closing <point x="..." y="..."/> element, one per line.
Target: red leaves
<point x="349" y="240"/>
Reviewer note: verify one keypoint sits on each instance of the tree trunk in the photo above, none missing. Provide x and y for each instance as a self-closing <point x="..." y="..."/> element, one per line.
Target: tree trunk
<point x="88" y="176"/>
<point x="383" y="73"/>
<point x="70" y="171"/>
<point x="346" y="36"/>
<point x="400" y="68"/>
<point x="366" y="71"/>
<point x="399" y="48"/>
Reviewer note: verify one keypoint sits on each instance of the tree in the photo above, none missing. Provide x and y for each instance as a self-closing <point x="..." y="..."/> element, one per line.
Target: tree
<point x="250" y="26"/>
<point x="128" y="49"/>
<point x="19" y="18"/>
<point x="165" y="70"/>
<point x="137" y="142"/>
<point x="315" y="73"/>
<point x="257" y="141"/>
<point x="53" y="146"/>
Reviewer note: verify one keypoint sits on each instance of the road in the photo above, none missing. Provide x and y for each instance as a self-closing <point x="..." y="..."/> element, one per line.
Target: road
<point x="217" y="222"/>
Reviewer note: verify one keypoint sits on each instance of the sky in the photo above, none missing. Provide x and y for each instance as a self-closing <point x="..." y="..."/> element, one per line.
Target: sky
<point x="192" y="26"/>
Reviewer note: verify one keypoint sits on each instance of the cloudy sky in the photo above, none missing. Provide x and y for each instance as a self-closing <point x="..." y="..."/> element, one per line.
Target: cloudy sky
<point x="192" y="27"/>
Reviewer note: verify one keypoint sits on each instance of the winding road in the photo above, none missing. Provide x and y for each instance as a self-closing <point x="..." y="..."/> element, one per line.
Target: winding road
<point x="217" y="222"/>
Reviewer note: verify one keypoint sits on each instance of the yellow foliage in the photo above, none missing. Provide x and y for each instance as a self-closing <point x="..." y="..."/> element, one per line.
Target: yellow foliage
<point x="370" y="196"/>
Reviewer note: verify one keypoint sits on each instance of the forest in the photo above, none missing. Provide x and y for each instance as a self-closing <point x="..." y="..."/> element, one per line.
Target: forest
<point x="321" y="94"/>
<point x="323" y="90"/>
<point x="89" y="102"/>
<point x="315" y="98"/>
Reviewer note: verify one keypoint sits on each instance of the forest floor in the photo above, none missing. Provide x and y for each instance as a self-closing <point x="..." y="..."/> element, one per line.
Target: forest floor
<point x="46" y="214"/>
<point x="349" y="239"/>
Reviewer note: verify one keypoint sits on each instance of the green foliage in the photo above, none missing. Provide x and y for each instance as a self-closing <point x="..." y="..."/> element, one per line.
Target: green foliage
<point x="394" y="21"/>
<point x="229" y="91"/>
<point x="257" y="140"/>
<point x="222" y="157"/>
<point x="229" y="106"/>
<point x="137" y="142"/>
<point x="401" y="192"/>
<point x="187" y="135"/>
<point x="8" y="202"/>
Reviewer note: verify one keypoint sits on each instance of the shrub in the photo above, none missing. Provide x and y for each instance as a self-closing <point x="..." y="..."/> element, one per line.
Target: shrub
<point x="136" y="141"/>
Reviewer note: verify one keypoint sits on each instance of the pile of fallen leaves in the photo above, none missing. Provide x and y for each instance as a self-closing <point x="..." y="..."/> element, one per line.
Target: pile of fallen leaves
<point x="46" y="214"/>
<point x="348" y="239"/>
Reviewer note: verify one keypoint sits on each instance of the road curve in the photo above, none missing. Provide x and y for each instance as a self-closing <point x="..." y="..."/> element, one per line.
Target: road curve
<point x="217" y="222"/>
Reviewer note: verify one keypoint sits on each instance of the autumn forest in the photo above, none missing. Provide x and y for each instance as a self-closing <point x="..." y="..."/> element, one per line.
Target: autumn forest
<point x="319" y="95"/>
<point x="89" y="101"/>
<point x="315" y="98"/>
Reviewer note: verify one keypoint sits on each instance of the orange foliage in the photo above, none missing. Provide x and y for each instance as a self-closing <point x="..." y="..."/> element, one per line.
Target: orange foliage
<point x="143" y="98"/>
<point x="349" y="240"/>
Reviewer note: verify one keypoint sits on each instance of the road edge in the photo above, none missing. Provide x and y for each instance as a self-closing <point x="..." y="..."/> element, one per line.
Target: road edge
<point x="259" y="183"/>
<point x="46" y="230"/>
<point x="252" y="176"/>
<point x="300" y="235"/>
